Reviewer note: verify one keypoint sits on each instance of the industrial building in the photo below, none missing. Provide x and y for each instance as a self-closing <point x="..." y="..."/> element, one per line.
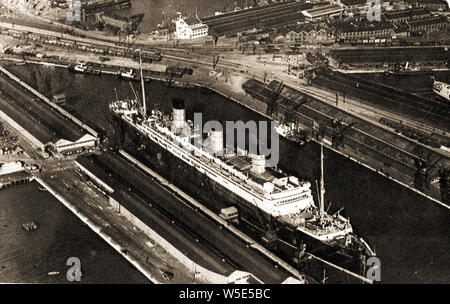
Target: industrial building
<point x="433" y="5"/>
<point x="12" y="167"/>
<point x="41" y="125"/>
<point x="428" y="25"/>
<point x="263" y="17"/>
<point x="407" y="15"/>
<point x="190" y="28"/>
<point x="86" y="142"/>
<point x="309" y="33"/>
<point x="355" y="7"/>
<point x="322" y="12"/>
<point x="363" y="32"/>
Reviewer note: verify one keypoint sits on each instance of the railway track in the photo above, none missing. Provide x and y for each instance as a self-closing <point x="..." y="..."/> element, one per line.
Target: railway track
<point x="391" y="55"/>
<point x="191" y="220"/>
<point x="383" y="145"/>
<point x="257" y="11"/>
<point x="375" y="114"/>
<point x="425" y="111"/>
<point x="39" y="111"/>
<point x="279" y="14"/>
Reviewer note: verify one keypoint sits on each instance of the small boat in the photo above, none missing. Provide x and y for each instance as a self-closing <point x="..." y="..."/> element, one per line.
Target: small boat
<point x="30" y="226"/>
<point x="42" y="188"/>
<point x="127" y="75"/>
<point x="83" y="68"/>
<point x="292" y="132"/>
<point x="53" y="273"/>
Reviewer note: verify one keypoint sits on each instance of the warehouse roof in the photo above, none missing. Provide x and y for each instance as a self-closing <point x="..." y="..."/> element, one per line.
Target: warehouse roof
<point x="420" y="11"/>
<point x="322" y="11"/>
<point x="353" y="2"/>
<point x="362" y="26"/>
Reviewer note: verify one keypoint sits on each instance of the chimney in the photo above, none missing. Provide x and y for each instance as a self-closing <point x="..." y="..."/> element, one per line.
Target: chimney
<point x="178" y="113"/>
<point x="258" y="164"/>
<point x="216" y="138"/>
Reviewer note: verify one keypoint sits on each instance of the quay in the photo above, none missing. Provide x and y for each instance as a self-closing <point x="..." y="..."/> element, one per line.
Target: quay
<point x="397" y="151"/>
<point x="48" y="127"/>
<point x="379" y="149"/>
<point x="191" y="232"/>
<point x="47" y="101"/>
<point x="252" y="243"/>
<point x="10" y="180"/>
<point x="98" y="230"/>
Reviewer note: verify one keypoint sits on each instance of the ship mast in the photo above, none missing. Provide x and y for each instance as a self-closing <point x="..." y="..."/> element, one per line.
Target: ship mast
<point x="142" y="85"/>
<point x="322" y="185"/>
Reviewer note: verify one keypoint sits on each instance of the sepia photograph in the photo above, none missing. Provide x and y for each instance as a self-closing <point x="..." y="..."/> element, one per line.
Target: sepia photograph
<point x="207" y="143"/>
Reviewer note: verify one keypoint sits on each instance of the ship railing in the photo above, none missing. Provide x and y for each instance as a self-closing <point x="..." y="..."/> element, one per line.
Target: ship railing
<point x="255" y="187"/>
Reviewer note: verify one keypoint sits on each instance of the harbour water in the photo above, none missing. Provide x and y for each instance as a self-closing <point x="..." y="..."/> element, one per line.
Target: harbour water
<point x="410" y="234"/>
<point x="28" y="256"/>
<point x="156" y="10"/>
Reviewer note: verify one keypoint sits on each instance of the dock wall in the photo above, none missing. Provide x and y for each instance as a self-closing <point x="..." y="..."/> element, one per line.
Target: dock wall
<point x="97" y="230"/>
<point x="209" y="275"/>
<point x="206" y="274"/>
<point x="253" y="244"/>
<point x="95" y="178"/>
<point x="53" y="105"/>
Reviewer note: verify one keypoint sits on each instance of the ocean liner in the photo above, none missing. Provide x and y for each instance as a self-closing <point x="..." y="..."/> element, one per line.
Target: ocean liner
<point x="278" y="206"/>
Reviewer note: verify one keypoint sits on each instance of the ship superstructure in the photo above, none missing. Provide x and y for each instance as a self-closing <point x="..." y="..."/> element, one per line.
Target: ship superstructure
<point x="271" y="192"/>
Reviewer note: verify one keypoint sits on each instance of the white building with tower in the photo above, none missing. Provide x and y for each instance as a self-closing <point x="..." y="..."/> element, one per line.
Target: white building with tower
<point x="190" y="28"/>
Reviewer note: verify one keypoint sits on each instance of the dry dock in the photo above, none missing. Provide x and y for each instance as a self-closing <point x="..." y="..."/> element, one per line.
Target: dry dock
<point x="199" y="238"/>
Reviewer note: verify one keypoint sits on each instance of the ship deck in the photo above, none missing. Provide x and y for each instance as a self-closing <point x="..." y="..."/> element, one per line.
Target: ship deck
<point x="225" y="245"/>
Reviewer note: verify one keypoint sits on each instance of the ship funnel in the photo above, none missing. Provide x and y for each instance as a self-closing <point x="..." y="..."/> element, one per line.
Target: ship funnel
<point x="258" y="164"/>
<point x="178" y="113"/>
<point x="216" y="138"/>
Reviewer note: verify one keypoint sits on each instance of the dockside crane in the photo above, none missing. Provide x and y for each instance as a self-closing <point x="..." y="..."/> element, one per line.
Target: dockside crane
<point x="422" y="177"/>
<point x="292" y="107"/>
<point x="216" y="59"/>
<point x="175" y="42"/>
<point x="444" y="185"/>
<point x="339" y="129"/>
<point x="272" y="104"/>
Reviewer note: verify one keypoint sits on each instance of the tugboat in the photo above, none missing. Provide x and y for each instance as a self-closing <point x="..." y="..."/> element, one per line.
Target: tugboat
<point x="279" y="207"/>
<point x="127" y="74"/>
<point x="30" y="226"/>
<point x="292" y="132"/>
<point x="83" y="68"/>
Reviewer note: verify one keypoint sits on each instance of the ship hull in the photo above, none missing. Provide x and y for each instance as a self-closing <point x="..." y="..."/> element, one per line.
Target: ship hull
<point x="215" y="196"/>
